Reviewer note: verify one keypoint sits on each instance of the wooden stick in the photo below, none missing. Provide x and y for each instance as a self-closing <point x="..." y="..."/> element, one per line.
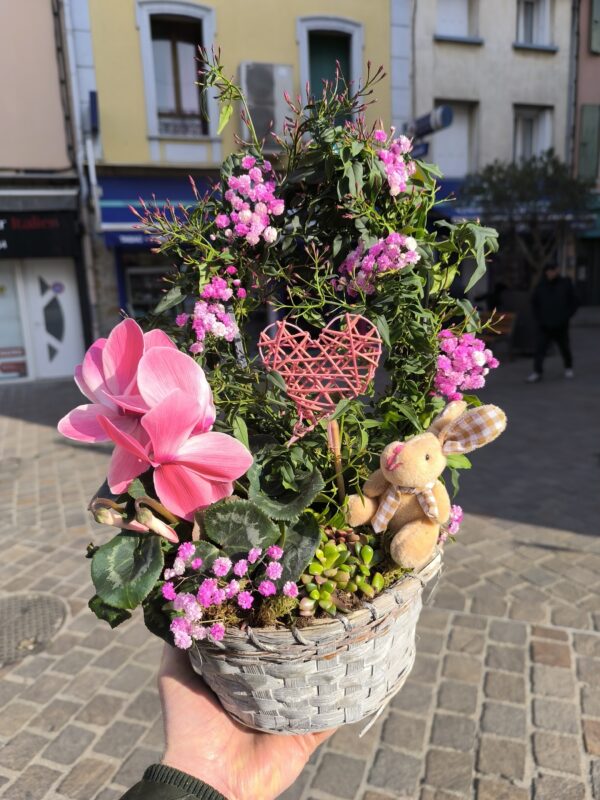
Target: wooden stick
<point x="333" y="437"/>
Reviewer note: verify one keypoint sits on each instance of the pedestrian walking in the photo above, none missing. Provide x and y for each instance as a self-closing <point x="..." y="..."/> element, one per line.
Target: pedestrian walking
<point x="554" y="302"/>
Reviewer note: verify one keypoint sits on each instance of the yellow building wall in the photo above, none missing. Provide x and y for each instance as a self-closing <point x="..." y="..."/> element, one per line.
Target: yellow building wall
<point x="245" y="31"/>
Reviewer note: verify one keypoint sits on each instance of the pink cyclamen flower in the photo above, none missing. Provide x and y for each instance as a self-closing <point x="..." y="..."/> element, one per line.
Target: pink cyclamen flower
<point x="107" y="376"/>
<point x="254" y="554"/>
<point x="274" y="570"/>
<point x="193" y="467"/>
<point x="267" y="588"/>
<point x="290" y="589"/>
<point x="245" y="600"/>
<point x="275" y="552"/>
<point x="221" y="566"/>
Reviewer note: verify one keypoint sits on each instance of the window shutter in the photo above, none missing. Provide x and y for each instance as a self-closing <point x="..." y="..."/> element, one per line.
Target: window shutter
<point x="589" y="142"/>
<point x="595" y="26"/>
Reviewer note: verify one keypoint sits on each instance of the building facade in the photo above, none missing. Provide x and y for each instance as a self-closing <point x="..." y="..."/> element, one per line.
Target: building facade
<point x="43" y="289"/>
<point x="586" y="142"/>
<point x="145" y="126"/>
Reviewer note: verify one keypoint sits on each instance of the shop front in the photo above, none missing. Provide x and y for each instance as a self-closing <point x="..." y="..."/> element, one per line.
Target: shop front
<point x="41" y="330"/>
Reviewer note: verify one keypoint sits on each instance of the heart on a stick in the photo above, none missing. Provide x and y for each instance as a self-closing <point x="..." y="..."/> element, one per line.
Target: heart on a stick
<point x="319" y="373"/>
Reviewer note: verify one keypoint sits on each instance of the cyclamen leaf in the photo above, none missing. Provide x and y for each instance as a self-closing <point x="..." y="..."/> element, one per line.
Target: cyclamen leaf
<point x="238" y="525"/>
<point x="308" y="489"/>
<point x="125" y="569"/>
<point x="299" y="546"/>
<point x="114" y="616"/>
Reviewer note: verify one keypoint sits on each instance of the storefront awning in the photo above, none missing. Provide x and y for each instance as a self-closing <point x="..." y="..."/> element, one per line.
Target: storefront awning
<point x="118" y="194"/>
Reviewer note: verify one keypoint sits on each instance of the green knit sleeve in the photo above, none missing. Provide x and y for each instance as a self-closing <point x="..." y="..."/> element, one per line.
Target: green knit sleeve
<point x="165" y="783"/>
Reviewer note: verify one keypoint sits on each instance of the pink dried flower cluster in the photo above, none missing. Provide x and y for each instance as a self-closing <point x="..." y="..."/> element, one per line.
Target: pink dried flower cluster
<point x="463" y="364"/>
<point x="209" y="319"/>
<point x="398" y="167"/>
<point x="251" y="196"/>
<point x="190" y="625"/>
<point x="452" y="527"/>
<point x="359" y="271"/>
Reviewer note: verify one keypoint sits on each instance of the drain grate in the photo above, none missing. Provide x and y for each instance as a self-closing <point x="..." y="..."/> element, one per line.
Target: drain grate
<point x="27" y="624"/>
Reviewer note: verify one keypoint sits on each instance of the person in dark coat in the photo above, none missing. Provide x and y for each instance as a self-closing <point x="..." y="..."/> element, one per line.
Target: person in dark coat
<point x="554" y="302"/>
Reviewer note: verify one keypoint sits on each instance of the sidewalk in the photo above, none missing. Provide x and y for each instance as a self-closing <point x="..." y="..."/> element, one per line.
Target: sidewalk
<point x="504" y="699"/>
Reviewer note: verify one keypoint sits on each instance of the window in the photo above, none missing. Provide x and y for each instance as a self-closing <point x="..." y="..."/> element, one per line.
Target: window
<point x="179" y="99"/>
<point x="170" y="33"/>
<point x="453" y="149"/>
<point x="589" y="142"/>
<point x="533" y="22"/>
<point x="323" y="41"/>
<point x="532" y="131"/>
<point x="456" y="19"/>
<point x="595" y="27"/>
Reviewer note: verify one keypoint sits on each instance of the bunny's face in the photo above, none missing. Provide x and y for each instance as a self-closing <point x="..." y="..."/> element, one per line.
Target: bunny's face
<point x="415" y="463"/>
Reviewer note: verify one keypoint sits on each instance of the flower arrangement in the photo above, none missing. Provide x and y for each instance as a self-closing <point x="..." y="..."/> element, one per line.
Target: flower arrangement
<point x="233" y="453"/>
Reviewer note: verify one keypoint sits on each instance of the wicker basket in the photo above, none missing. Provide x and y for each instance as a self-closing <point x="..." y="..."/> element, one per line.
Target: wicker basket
<point x="283" y="680"/>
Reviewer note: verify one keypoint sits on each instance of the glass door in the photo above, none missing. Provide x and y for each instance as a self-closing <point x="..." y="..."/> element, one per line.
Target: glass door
<point x="13" y="353"/>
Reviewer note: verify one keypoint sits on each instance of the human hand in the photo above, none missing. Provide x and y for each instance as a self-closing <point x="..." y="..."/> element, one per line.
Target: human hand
<point x="202" y="739"/>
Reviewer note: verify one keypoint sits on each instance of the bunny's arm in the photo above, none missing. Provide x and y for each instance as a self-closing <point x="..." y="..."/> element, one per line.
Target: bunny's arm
<point x="443" y="501"/>
<point x="375" y="485"/>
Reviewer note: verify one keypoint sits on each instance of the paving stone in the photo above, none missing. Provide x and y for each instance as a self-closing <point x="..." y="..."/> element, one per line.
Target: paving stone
<point x="587" y="644"/>
<point x="129" y="679"/>
<point x="339" y="775"/>
<point x="98" y="639"/>
<point x="113" y="658"/>
<point x="449" y="770"/>
<point x="145" y="707"/>
<point x="462" y="668"/>
<point x="115" y="794"/>
<point x="68" y="745"/>
<point x="55" y="715"/>
<point x="85" y="777"/>
<point x="550" y="653"/>
<point x="119" y="738"/>
<point x="469" y="621"/>
<point x="85" y="685"/>
<point x="425" y="669"/>
<point x="550" y="749"/>
<point x="101" y="710"/>
<point x="588" y="671"/>
<point x="508" y="632"/>
<point x="433" y="618"/>
<point x="595" y="776"/>
<point x="14" y="716"/>
<point x="465" y="640"/>
<point x="500" y="790"/>
<point x="451" y="730"/>
<point x="414" y="697"/>
<point x="555" y="715"/>
<point x="347" y="739"/>
<point x="44" y="690"/>
<point x="503" y="720"/>
<point x="457" y="696"/>
<point x="543" y="632"/>
<point x="511" y="659"/>
<point x="33" y="783"/>
<point x="427" y="793"/>
<point x="489" y="605"/>
<point x="552" y="787"/>
<point x="502" y="757"/>
<point x="528" y="612"/>
<point x="569" y="617"/>
<point x="552" y="681"/>
<point x="590" y="701"/>
<point x="394" y="771"/>
<point x="73" y="663"/>
<point x="430" y="642"/>
<point x="21" y="750"/>
<point x="404" y="731"/>
<point x="504" y="686"/>
<point x="591" y="736"/>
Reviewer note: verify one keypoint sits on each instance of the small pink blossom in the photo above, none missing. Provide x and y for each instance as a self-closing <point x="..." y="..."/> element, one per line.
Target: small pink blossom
<point x="233" y="587"/>
<point x="290" y="589"/>
<point x="267" y="588"/>
<point x="379" y="135"/>
<point x="240" y="568"/>
<point x="241" y="294"/>
<point x="273" y="570"/>
<point x="245" y="600"/>
<point x="196" y="563"/>
<point x="186" y="550"/>
<point x="168" y="591"/>
<point x="254" y="554"/>
<point x="221" y="566"/>
<point x="275" y="552"/>
<point x="181" y="320"/>
<point x="217" y="631"/>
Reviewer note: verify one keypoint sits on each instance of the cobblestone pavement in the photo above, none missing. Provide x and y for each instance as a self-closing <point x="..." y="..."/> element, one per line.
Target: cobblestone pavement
<point x="504" y="699"/>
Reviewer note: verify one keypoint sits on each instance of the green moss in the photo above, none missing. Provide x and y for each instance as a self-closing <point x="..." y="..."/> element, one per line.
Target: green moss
<point x="275" y="609"/>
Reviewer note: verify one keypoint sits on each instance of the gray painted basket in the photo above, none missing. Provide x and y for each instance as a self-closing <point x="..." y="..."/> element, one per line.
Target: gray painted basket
<point x="283" y="680"/>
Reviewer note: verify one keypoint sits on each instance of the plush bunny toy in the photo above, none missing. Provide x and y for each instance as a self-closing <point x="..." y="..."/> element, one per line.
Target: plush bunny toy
<point x="405" y="496"/>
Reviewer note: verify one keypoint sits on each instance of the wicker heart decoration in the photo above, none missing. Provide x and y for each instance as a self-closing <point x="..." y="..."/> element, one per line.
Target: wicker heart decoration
<point x="318" y="374"/>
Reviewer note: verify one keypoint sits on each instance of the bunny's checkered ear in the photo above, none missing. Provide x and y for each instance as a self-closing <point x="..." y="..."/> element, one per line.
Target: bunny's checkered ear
<point x="473" y="429"/>
<point x="446" y="416"/>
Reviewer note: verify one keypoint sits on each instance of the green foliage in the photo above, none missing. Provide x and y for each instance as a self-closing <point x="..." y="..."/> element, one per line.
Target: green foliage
<point x="237" y="525"/>
<point x="289" y="505"/>
<point x="299" y="545"/>
<point x="125" y="569"/>
<point x="114" y="616"/>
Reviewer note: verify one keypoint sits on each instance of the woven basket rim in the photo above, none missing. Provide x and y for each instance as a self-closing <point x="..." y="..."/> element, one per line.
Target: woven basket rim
<point x="381" y="605"/>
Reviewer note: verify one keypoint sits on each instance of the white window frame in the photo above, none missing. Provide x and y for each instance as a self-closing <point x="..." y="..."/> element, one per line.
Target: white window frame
<point x="542" y="27"/>
<point x="472" y="22"/>
<point x="305" y="25"/>
<point x="542" y="117"/>
<point x="145" y="10"/>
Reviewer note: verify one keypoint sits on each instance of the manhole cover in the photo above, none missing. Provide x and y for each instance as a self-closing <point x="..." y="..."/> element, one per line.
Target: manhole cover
<point x="27" y="623"/>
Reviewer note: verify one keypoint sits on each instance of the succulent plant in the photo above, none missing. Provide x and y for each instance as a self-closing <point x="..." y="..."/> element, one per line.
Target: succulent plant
<point x="343" y="569"/>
